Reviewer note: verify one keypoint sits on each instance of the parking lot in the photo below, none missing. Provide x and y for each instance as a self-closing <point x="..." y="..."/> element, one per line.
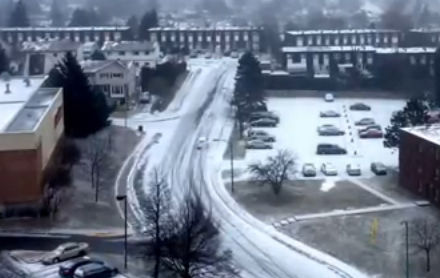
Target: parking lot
<point x="297" y="132"/>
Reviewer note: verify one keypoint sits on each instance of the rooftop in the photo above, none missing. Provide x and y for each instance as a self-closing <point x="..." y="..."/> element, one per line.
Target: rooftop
<point x="55" y="29"/>
<point x="127" y="46"/>
<point x="346" y="48"/>
<point x="212" y="28"/>
<point x="12" y="101"/>
<point x="427" y="132"/>
<point x="51" y="46"/>
<point x="343" y="31"/>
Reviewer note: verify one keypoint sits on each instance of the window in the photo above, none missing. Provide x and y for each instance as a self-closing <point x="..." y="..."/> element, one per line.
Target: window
<point x="147" y="52"/>
<point x="136" y="53"/>
<point x="122" y="53"/>
<point x="55" y="55"/>
<point x="296" y="58"/>
<point x="117" y="75"/>
<point x="103" y="75"/>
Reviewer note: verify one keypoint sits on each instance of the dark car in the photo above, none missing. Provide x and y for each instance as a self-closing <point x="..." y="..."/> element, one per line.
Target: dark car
<point x="329" y="114"/>
<point x="378" y="168"/>
<point x="360" y="107"/>
<point x="330" y="149"/>
<point x="371" y="133"/>
<point x="94" y="270"/>
<point x="67" y="269"/>
<point x="264" y="122"/>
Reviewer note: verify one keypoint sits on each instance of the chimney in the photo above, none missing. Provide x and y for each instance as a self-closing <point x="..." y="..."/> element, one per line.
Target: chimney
<point x="8" y="90"/>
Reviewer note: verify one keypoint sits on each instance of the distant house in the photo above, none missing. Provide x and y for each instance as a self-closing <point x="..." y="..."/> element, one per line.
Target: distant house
<point x="139" y="53"/>
<point x="114" y="78"/>
<point x="41" y="57"/>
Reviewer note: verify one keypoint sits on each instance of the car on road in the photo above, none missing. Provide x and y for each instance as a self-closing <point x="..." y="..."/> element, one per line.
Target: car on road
<point x="264" y="115"/>
<point x="376" y="127"/>
<point x="371" y="133"/>
<point x="329" y="97"/>
<point x="258" y="145"/>
<point x="94" y="270"/>
<point x="66" y="251"/>
<point x="328" y="169"/>
<point x="264" y="122"/>
<point x="201" y="142"/>
<point x="354" y="169"/>
<point x="365" y="122"/>
<point x="324" y="149"/>
<point x="309" y="170"/>
<point x="67" y="269"/>
<point x="378" y="168"/>
<point x="329" y="114"/>
<point x="330" y="130"/>
<point x="360" y="107"/>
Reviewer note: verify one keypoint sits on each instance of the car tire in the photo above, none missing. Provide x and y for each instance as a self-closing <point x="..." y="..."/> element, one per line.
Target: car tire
<point x="56" y="260"/>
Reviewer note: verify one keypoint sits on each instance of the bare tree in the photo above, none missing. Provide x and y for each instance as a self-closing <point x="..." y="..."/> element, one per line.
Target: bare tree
<point x="275" y="171"/>
<point x="426" y="238"/>
<point x="157" y="211"/>
<point x="192" y="248"/>
<point x="97" y="158"/>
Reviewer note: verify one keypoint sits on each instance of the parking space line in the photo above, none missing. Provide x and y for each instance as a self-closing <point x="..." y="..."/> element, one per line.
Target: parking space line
<point x="374" y="192"/>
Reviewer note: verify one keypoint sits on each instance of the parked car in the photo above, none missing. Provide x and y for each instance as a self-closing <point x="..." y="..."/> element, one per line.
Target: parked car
<point x="145" y="97"/>
<point x="95" y="270"/>
<point x="264" y="114"/>
<point x="371" y="133"/>
<point x="328" y="169"/>
<point x="255" y="132"/>
<point x="258" y="145"/>
<point x="264" y="122"/>
<point x="234" y="54"/>
<point x="264" y="138"/>
<point x="67" y="269"/>
<point x="66" y="251"/>
<point x="330" y="130"/>
<point x="201" y="142"/>
<point x="360" y="107"/>
<point x="329" y="114"/>
<point x="329" y="97"/>
<point x="376" y="127"/>
<point x="354" y="169"/>
<point x="365" y="122"/>
<point x="330" y="149"/>
<point x="309" y="170"/>
<point x="378" y="168"/>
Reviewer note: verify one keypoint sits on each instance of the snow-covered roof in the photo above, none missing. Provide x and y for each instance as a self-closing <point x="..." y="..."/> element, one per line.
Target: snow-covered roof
<point x="428" y="132"/>
<point x="12" y="102"/>
<point x="90" y="66"/>
<point x="339" y="48"/>
<point x="65" y="29"/>
<point x="213" y="28"/>
<point x="127" y="46"/>
<point x="426" y="30"/>
<point x="342" y="31"/>
<point x="51" y="46"/>
<point x="345" y="48"/>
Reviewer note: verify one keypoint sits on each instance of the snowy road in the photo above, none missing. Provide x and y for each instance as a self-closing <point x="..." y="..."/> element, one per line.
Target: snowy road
<point x="259" y="250"/>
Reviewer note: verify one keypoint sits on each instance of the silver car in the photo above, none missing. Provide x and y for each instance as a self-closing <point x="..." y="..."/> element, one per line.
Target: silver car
<point x="354" y="169"/>
<point x="258" y="145"/>
<point x="328" y="169"/>
<point x="329" y="114"/>
<point x="365" y="121"/>
<point x="330" y="130"/>
<point x="66" y="251"/>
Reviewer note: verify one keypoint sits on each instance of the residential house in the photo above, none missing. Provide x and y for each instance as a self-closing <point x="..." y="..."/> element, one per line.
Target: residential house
<point x="139" y="53"/>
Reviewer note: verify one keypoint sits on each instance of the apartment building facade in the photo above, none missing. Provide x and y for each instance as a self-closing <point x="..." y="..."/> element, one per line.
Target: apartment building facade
<point x="139" y="53"/>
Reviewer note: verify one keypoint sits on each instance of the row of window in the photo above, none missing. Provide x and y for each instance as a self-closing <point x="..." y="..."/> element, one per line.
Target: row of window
<point x="314" y="40"/>
<point x="123" y="53"/>
<point x="107" y="75"/>
<point x="208" y="38"/>
<point x="75" y="36"/>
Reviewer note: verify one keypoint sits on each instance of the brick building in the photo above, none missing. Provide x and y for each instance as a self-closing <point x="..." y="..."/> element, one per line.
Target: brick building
<point x="31" y="126"/>
<point x="419" y="160"/>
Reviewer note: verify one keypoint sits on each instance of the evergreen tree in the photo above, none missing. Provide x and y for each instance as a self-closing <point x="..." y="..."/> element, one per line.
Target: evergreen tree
<point x="97" y="55"/>
<point x="4" y="61"/>
<point x="437" y="76"/>
<point x="19" y="16"/>
<point x="415" y="113"/>
<point x="85" y="109"/>
<point x="149" y="20"/>
<point x="81" y="17"/>
<point x="56" y="14"/>
<point x="133" y="23"/>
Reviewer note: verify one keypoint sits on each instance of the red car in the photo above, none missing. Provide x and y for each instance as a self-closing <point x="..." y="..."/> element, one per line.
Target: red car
<point x="371" y="133"/>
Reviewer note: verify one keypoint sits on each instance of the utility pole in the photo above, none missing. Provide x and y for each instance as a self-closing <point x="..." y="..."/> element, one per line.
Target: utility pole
<point x="406" y="246"/>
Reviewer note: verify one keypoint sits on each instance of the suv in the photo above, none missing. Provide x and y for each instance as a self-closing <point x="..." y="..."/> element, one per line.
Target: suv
<point x="378" y="168"/>
<point x="95" y="270"/>
<point x="330" y="149"/>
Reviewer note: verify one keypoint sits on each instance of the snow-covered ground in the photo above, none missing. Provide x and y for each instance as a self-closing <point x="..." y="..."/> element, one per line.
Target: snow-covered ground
<point x="297" y="132"/>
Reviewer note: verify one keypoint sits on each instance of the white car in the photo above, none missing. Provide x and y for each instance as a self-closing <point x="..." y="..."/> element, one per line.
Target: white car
<point x="328" y="169"/>
<point x="309" y="170"/>
<point x="329" y="97"/>
<point x="66" y="251"/>
<point x="354" y="169"/>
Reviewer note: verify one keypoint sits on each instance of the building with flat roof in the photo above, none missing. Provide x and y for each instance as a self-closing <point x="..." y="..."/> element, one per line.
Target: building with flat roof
<point x="419" y="159"/>
<point x="31" y="126"/>
<point x="140" y="53"/>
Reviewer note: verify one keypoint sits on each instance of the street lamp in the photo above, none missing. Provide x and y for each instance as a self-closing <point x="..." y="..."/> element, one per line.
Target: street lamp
<point x="407" y="246"/>
<point x="124" y="198"/>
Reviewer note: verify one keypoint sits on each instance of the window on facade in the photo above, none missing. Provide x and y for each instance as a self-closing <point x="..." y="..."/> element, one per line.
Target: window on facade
<point x="55" y="54"/>
<point x="147" y="52"/>
<point x="117" y="75"/>
<point x="296" y="58"/>
<point x="122" y="53"/>
<point x="136" y="53"/>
